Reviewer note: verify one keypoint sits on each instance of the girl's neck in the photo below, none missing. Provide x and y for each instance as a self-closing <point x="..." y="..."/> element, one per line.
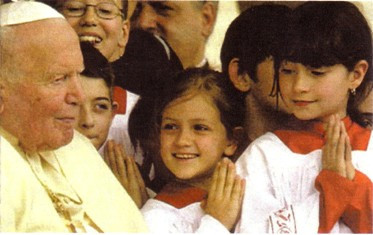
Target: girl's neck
<point x="202" y="183"/>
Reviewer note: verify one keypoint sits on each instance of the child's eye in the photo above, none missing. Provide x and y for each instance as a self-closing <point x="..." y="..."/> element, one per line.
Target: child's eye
<point x="200" y="127"/>
<point x="169" y="126"/>
<point x="287" y="71"/>
<point x="317" y="73"/>
<point x="102" y="106"/>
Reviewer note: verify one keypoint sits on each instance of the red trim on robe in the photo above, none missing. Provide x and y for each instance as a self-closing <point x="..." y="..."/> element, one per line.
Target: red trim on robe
<point x="304" y="142"/>
<point x="340" y="198"/>
<point x="180" y="197"/>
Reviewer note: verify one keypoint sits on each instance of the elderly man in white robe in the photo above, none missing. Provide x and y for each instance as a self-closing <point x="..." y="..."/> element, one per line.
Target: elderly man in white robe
<point x="52" y="178"/>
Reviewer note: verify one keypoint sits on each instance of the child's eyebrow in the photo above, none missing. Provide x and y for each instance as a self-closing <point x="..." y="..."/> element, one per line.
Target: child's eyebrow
<point x="168" y="119"/>
<point x="102" y="98"/>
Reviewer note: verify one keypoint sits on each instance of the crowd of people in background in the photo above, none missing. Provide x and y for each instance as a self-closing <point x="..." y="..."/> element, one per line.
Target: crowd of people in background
<point x="112" y="118"/>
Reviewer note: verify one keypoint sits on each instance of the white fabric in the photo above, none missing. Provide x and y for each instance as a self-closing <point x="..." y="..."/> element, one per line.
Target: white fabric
<point x="163" y="218"/>
<point x="277" y="178"/>
<point x="119" y="129"/>
<point x="24" y="11"/>
<point x="27" y="207"/>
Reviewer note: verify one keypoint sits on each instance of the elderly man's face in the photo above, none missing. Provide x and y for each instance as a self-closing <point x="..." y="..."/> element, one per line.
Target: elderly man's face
<point x="42" y="104"/>
<point x="181" y="23"/>
<point x="109" y="36"/>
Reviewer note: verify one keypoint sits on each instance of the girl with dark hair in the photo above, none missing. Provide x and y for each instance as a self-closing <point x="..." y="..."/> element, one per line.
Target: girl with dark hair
<point x="318" y="179"/>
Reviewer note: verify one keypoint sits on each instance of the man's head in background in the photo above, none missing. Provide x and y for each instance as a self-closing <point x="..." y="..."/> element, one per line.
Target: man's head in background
<point x="185" y="25"/>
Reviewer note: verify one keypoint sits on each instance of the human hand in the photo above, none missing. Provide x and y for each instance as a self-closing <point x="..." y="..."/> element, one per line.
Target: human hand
<point x="336" y="153"/>
<point x="225" y="196"/>
<point x="126" y="171"/>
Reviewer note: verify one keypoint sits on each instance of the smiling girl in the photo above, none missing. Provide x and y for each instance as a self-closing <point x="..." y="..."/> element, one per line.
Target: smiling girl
<point x="195" y="126"/>
<point x="318" y="179"/>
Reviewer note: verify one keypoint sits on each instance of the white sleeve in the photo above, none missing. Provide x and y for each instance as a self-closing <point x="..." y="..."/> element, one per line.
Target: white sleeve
<point x="163" y="218"/>
<point x="211" y="225"/>
<point x="159" y="217"/>
<point x="277" y="184"/>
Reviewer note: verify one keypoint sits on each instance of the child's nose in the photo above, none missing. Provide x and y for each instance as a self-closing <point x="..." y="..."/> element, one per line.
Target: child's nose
<point x="86" y="119"/>
<point x="184" y="138"/>
<point x="301" y="82"/>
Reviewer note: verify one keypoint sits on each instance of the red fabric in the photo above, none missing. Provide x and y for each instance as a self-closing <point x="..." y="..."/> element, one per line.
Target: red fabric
<point x="120" y="96"/>
<point x="180" y="197"/>
<point x="349" y="200"/>
<point x="304" y="142"/>
<point x="340" y="198"/>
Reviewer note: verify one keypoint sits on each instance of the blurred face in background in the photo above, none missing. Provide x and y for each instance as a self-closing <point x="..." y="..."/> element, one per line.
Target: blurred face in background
<point x="99" y="22"/>
<point x="185" y="25"/>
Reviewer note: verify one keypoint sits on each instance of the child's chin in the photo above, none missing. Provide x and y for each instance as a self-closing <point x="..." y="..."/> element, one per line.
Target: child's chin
<point x="304" y="117"/>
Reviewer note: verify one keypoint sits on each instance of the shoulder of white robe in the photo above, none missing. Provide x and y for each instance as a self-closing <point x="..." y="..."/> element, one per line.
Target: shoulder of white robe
<point x="21" y="12"/>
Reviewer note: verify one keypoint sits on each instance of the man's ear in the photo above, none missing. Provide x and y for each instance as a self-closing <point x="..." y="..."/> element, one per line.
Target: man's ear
<point x="241" y="81"/>
<point x="209" y="11"/>
<point x="122" y="42"/>
<point x="115" y="107"/>
<point x="358" y="74"/>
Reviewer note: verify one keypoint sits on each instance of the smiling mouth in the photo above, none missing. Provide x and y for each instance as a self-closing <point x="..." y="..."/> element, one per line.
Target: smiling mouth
<point x="91" y="39"/>
<point x="185" y="156"/>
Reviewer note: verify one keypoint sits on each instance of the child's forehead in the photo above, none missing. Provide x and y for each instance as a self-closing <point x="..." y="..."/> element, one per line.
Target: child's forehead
<point x="190" y="94"/>
<point x="94" y="84"/>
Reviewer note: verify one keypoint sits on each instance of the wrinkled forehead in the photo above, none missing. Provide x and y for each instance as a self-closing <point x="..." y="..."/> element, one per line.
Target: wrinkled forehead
<point x="45" y="32"/>
<point x="42" y="42"/>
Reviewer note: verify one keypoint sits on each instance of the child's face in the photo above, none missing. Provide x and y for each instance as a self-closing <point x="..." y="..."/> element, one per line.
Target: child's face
<point x="261" y="89"/>
<point x="109" y="36"/>
<point x="315" y="93"/>
<point x="96" y="112"/>
<point x="193" y="139"/>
